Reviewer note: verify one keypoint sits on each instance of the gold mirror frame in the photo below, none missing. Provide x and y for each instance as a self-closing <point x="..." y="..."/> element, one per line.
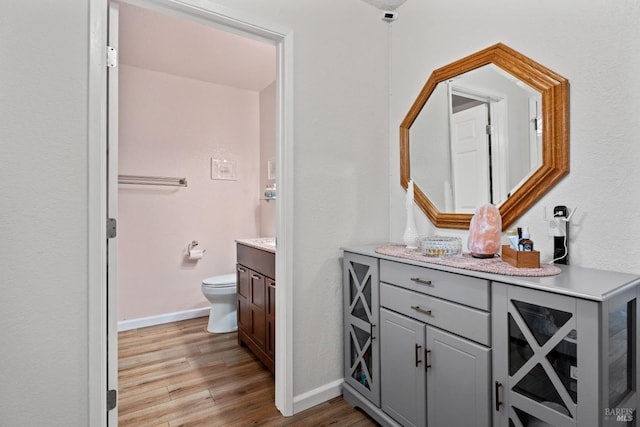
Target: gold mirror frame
<point x="555" y="132"/>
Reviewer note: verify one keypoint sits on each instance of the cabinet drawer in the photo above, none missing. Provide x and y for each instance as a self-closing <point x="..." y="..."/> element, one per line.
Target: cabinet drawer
<point x="258" y="260"/>
<point x="465" y="321"/>
<point x="465" y="290"/>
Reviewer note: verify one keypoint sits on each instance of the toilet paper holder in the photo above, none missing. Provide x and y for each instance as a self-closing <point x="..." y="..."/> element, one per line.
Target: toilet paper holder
<point x="191" y="246"/>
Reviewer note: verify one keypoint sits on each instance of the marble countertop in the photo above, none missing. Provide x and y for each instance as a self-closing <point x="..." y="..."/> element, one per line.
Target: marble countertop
<point x="264" y="243"/>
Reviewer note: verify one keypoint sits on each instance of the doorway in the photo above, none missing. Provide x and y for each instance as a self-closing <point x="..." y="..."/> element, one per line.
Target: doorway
<point x="105" y="326"/>
<point x="196" y="104"/>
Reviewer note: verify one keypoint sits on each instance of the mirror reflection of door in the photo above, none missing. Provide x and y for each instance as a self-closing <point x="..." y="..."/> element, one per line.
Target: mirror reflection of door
<point x="470" y="157"/>
<point x="479" y="149"/>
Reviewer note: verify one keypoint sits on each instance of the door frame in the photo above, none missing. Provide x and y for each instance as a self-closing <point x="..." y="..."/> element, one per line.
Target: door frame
<point x="97" y="191"/>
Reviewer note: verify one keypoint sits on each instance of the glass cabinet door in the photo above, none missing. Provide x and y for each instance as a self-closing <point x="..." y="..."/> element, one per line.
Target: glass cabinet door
<point x="563" y="361"/>
<point x="361" y="320"/>
<point x="621" y="360"/>
<point x="542" y="352"/>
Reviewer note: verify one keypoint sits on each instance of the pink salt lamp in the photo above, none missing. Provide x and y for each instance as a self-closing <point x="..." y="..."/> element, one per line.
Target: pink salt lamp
<point x="484" y="232"/>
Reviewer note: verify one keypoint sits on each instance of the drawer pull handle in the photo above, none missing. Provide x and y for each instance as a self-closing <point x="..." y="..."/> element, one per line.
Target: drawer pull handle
<point x="426" y="359"/>
<point x="255" y="276"/>
<point x="242" y="270"/>
<point x="372" y="327"/>
<point x="418" y="361"/>
<point x="421" y="281"/>
<point x="421" y="310"/>
<point x="497" y="390"/>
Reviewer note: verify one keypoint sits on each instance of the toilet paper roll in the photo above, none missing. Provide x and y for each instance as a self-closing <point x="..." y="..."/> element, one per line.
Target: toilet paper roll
<point x="195" y="254"/>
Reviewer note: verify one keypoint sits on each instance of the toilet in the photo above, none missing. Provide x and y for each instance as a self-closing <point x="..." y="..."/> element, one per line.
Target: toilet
<point x="221" y="293"/>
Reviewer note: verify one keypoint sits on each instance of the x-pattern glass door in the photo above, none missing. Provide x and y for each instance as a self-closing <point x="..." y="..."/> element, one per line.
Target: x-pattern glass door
<point x="361" y="320"/>
<point x="542" y="360"/>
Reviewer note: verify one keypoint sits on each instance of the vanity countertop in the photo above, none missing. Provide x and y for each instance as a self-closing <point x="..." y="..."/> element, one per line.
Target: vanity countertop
<point x="263" y="243"/>
<point x="575" y="281"/>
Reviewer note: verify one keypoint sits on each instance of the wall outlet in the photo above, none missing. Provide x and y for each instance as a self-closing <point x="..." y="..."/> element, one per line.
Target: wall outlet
<point x="557" y="228"/>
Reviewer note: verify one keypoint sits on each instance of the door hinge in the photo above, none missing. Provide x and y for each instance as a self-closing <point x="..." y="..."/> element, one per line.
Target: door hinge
<point x="112" y="228"/>
<point x="112" y="57"/>
<point x="112" y="399"/>
<point x="489" y="129"/>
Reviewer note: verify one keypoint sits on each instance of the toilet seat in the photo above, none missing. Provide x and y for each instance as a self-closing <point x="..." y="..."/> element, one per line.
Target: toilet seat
<point x="224" y="281"/>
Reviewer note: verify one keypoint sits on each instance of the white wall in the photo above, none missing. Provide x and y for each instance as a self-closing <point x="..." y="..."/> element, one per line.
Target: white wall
<point x="43" y="213"/>
<point x="340" y="163"/>
<point x="340" y="190"/>
<point x="172" y="126"/>
<point x="595" y="46"/>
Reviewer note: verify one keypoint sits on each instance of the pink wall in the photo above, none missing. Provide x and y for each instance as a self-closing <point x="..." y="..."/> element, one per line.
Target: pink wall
<point x="172" y="126"/>
<point x="267" y="151"/>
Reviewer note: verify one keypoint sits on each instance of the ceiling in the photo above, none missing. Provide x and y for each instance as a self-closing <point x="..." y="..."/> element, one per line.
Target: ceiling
<point x="158" y="42"/>
<point x="386" y="4"/>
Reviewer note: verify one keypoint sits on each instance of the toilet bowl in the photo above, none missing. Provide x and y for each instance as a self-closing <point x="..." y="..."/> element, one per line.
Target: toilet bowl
<point x="221" y="293"/>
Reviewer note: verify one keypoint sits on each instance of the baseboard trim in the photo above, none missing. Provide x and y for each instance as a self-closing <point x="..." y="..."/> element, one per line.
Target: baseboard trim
<point x="317" y="396"/>
<point x="161" y="319"/>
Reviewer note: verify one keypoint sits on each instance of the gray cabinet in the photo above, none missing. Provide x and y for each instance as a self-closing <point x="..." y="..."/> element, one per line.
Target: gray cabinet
<point x="458" y="381"/>
<point x="563" y="361"/>
<point x="419" y="318"/>
<point x="432" y="377"/>
<point x="361" y="312"/>
<point x="465" y="348"/>
<point x="435" y="359"/>
<point x="403" y="355"/>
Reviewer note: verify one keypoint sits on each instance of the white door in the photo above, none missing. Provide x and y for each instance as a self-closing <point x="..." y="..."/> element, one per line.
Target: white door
<point x="112" y="212"/>
<point x="470" y="159"/>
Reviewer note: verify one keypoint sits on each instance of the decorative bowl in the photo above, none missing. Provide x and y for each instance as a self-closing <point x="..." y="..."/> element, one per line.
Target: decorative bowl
<point x="441" y="246"/>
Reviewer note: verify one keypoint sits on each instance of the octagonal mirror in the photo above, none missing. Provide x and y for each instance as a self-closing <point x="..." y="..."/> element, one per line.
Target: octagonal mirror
<point x="492" y="127"/>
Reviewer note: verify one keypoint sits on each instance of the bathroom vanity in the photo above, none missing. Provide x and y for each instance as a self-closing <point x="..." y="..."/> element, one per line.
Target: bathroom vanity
<point x="257" y="298"/>
<point x="427" y="344"/>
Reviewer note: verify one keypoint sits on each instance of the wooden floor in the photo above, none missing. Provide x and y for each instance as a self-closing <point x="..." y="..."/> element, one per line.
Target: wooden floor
<point x="180" y="375"/>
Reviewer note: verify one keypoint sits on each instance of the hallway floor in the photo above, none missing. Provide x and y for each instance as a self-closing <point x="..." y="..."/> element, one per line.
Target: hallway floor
<point x="180" y="375"/>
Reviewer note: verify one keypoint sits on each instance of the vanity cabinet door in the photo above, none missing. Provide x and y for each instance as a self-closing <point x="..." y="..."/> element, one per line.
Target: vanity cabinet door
<point x="361" y="313"/>
<point x="256" y="302"/>
<point x="458" y="381"/>
<point x="402" y="369"/>
<point x="545" y="355"/>
<point x="258" y="315"/>
<point x="270" y="348"/>
<point x="244" y="287"/>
